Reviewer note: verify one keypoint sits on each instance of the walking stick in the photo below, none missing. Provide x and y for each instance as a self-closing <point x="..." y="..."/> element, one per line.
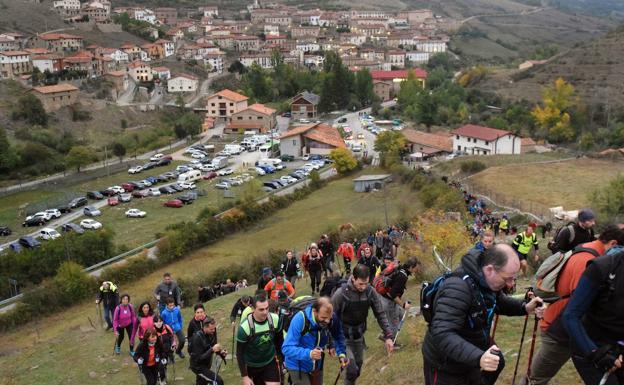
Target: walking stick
<point x="494" y="328"/>
<point x="528" y="373"/>
<point x="115" y="344"/>
<point x="98" y="312"/>
<point x="526" y="320"/>
<point x="338" y="376"/>
<point x="233" y="341"/>
<point x="400" y="326"/>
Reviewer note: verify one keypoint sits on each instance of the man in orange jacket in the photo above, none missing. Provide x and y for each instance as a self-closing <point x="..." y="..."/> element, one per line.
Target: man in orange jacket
<point x="277" y="284"/>
<point x="348" y="253"/>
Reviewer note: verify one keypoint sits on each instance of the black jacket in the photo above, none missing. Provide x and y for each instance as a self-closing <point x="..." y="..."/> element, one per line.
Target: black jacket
<point x="142" y="351"/>
<point x="108" y="298"/>
<point x="372" y="263"/>
<point x="201" y="350"/>
<point x="237" y="309"/>
<point x="581" y="235"/>
<point x="327" y="248"/>
<point x="458" y="334"/>
<point x="290" y="267"/>
<point x="193" y="327"/>
<point x="398" y="283"/>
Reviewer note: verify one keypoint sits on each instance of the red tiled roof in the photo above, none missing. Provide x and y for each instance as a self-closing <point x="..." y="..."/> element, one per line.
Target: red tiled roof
<point x="319" y="132"/>
<point x="58" y="36"/>
<point x="481" y="132"/>
<point x="231" y="95"/>
<point x="261" y="108"/>
<point x="14" y="53"/>
<point x="37" y="51"/>
<point x="137" y="63"/>
<point x="160" y="69"/>
<point x="440" y="142"/>
<point x="527" y="142"/>
<point x="186" y="76"/>
<point x="398" y="74"/>
<point x="63" y="87"/>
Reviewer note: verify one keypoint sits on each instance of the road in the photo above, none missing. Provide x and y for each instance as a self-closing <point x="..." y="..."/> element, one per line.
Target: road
<point x="127" y="96"/>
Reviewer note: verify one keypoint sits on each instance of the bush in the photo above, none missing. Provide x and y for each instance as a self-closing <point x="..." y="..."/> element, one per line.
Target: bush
<point x="73" y="283"/>
<point x="472" y="166"/>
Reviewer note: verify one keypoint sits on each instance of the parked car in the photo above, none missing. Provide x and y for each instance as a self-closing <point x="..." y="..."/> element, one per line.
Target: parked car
<point x="53" y="213"/>
<point x="304" y="121"/>
<point x="168" y="175"/>
<point x="306" y="157"/>
<point x="78" y="202"/>
<point x="138" y="185"/>
<point x="64" y="209"/>
<point x="135" y="213"/>
<point x="187" y="185"/>
<point x="29" y="242"/>
<point x="259" y="171"/>
<point x="296" y="176"/>
<point x="146" y="183"/>
<point x="288" y="179"/>
<point x="41" y="214"/>
<point x="108" y="192"/>
<point x="268" y="169"/>
<point x="153" y="180"/>
<point x="95" y="195"/>
<point x="90" y="224"/>
<point x="72" y="227"/>
<point x="5" y="231"/>
<point x="198" y="155"/>
<point x="91" y="211"/>
<point x="166" y="190"/>
<point x="49" y="234"/>
<point x="287" y="158"/>
<point x="183" y="168"/>
<point x="222" y="185"/>
<point x="157" y="157"/>
<point x="177" y="187"/>
<point x="154" y="191"/>
<point x="135" y="170"/>
<point x="174" y="203"/>
<point x="360" y="136"/>
<point x="271" y="185"/>
<point x="186" y="199"/>
<point x="149" y="165"/>
<point x="34" y="221"/>
<point x="140" y="193"/>
<point x="210" y="175"/>
<point x="233" y="181"/>
<point x="315" y="166"/>
<point x="287" y="114"/>
<point x="125" y="198"/>
<point x="112" y="201"/>
<point x="163" y="162"/>
<point x="225" y="171"/>
<point x="119" y="189"/>
<point x="206" y="167"/>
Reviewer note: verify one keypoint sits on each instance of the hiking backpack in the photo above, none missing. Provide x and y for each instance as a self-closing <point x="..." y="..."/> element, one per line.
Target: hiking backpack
<point x="547" y="274"/>
<point x="553" y="241"/>
<point x="299" y="304"/>
<point x="429" y="290"/>
<point x="383" y="282"/>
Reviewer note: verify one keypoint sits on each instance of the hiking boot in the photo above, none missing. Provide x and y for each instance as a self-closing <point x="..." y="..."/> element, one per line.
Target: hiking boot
<point x="181" y="354"/>
<point x="109" y="328"/>
<point x="163" y="382"/>
<point x="131" y="352"/>
<point x="118" y="350"/>
<point x="398" y="346"/>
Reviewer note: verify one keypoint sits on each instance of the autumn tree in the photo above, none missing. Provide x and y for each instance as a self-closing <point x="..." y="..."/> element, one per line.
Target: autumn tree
<point x="344" y="161"/>
<point x="79" y="156"/>
<point x="389" y="144"/>
<point x="553" y="116"/>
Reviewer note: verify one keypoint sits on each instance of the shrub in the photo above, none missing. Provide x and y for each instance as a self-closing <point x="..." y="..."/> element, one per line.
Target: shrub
<point x="73" y="283"/>
<point x="472" y="166"/>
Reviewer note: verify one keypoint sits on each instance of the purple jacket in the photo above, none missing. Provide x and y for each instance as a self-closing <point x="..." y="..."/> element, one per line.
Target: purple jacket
<point x="124" y="316"/>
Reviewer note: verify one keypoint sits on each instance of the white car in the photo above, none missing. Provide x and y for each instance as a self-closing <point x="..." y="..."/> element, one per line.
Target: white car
<point x="304" y="121"/>
<point x="90" y="224"/>
<point x="260" y="171"/>
<point x="41" y="214"/>
<point x="225" y="171"/>
<point x="135" y="170"/>
<point x="288" y="179"/>
<point x="135" y="213"/>
<point x="314" y="166"/>
<point x="157" y="157"/>
<point x="146" y="182"/>
<point x="153" y="192"/>
<point x="53" y="213"/>
<point x="223" y="185"/>
<point x="117" y="189"/>
<point x="49" y="234"/>
<point x="224" y="153"/>
<point x="306" y="157"/>
<point x="198" y="155"/>
<point x="206" y="167"/>
<point x="187" y="185"/>
<point x="235" y="181"/>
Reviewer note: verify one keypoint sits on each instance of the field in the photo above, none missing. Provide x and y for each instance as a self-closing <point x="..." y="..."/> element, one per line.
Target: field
<point x="68" y="336"/>
<point x="453" y="167"/>
<point x="566" y="184"/>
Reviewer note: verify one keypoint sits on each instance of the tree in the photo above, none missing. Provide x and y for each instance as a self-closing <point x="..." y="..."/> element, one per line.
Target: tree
<point x="30" y="108"/>
<point x="364" y="87"/>
<point x="389" y="144"/>
<point x="79" y="156"/>
<point x="188" y="124"/>
<point x="8" y="156"/>
<point x="344" y="161"/>
<point x="609" y="200"/>
<point x="554" y="116"/>
<point x="237" y="67"/>
<point x="259" y="83"/>
<point x="119" y="150"/>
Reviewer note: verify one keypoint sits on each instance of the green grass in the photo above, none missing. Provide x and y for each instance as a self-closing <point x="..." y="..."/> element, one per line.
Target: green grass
<point x="453" y="167"/>
<point x="13" y="207"/>
<point x="69" y="338"/>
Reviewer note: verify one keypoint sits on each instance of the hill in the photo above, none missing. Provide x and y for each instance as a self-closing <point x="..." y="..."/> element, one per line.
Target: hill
<point x="593" y="68"/>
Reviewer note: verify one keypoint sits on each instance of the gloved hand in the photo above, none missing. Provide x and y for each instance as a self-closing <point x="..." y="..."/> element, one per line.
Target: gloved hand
<point x="140" y="361"/>
<point x="163" y="361"/>
<point x="603" y="358"/>
<point x="157" y="359"/>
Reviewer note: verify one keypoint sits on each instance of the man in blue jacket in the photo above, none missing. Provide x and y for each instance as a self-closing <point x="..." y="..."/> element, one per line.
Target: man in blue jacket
<point x="308" y="337"/>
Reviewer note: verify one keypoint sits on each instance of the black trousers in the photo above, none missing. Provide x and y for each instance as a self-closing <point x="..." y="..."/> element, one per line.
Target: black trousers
<point x="434" y="376"/>
<point x="150" y="373"/>
<point x="315" y="279"/>
<point x="205" y="376"/>
<point x="120" y="337"/>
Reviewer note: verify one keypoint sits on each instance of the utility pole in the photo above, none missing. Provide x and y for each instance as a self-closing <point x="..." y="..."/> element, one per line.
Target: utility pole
<point x="106" y="160"/>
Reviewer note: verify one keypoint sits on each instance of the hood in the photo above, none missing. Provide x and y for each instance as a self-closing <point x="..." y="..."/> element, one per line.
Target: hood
<point x="470" y="265"/>
<point x="308" y="314"/>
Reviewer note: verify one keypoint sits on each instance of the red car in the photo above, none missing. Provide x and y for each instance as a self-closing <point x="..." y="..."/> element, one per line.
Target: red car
<point x="210" y="175"/>
<point x="174" y="203"/>
<point x="113" y="201"/>
<point x="139" y="193"/>
<point x="128" y="187"/>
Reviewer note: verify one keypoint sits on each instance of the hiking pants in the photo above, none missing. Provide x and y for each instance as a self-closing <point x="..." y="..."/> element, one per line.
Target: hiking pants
<point x="394" y="314"/>
<point x="355" y="354"/>
<point x="303" y="378"/>
<point x="548" y="360"/>
<point x="205" y="376"/>
<point x="292" y="279"/>
<point x="315" y="279"/>
<point x="592" y="375"/>
<point x="150" y="373"/>
<point x="108" y="315"/>
<point x="347" y="264"/>
<point x="434" y="376"/>
<point x="120" y="337"/>
<point x="181" y="340"/>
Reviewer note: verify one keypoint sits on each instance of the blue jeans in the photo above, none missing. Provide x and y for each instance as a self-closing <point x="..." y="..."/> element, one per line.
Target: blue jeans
<point x="108" y="315"/>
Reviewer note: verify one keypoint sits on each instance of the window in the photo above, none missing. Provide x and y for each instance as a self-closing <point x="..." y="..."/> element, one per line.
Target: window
<point x="212" y="104"/>
<point x="259" y="118"/>
<point x="239" y="118"/>
<point x="457" y="137"/>
<point x="231" y="104"/>
<point x="458" y="148"/>
<point x="294" y="142"/>
<point x="487" y="143"/>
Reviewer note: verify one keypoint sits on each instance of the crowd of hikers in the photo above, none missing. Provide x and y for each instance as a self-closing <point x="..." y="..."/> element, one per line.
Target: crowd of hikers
<point x="281" y="336"/>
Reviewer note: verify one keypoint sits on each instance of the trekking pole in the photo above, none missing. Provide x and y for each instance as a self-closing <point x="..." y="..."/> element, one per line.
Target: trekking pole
<point x="526" y="320"/>
<point x="339" y="373"/>
<point x="528" y="373"/>
<point x="233" y="340"/>
<point x="606" y="375"/>
<point x="494" y="327"/>
<point x="98" y="312"/>
<point x="115" y="344"/>
<point x="400" y="326"/>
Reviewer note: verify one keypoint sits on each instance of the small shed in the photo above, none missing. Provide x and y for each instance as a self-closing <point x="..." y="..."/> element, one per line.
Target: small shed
<point x="366" y="183"/>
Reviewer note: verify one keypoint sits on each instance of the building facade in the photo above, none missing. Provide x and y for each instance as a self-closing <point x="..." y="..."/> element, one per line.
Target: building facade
<point x="480" y="140"/>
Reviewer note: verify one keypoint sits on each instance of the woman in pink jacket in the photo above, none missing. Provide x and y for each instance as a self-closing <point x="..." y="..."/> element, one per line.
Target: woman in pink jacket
<point x="144" y="319"/>
<point x="124" y="318"/>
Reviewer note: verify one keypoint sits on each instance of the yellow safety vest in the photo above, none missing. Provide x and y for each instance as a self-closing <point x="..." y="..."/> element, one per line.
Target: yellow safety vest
<point x="504" y="224"/>
<point x="526" y="243"/>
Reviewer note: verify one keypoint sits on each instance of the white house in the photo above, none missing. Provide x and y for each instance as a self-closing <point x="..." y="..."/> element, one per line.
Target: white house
<point x="308" y="47"/>
<point x="271" y="30"/>
<point x="162" y="73"/>
<point x="117" y="55"/>
<point x="263" y="60"/>
<point x="167" y="45"/>
<point x="432" y="46"/>
<point x="67" y="7"/>
<point x="182" y="83"/>
<point x="479" y="140"/>
<point x="215" y="61"/>
<point x="417" y="57"/>
<point x="146" y="15"/>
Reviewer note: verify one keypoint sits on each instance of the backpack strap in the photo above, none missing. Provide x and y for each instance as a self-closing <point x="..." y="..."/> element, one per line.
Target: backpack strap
<point x="571" y="230"/>
<point x="252" y="326"/>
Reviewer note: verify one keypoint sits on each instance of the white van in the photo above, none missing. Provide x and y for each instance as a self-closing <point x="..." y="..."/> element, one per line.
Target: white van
<point x="190" y="176"/>
<point x="233" y="149"/>
<point x="264" y="163"/>
<point x="265" y="149"/>
<point x="219" y="162"/>
<point x="277" y="163"/>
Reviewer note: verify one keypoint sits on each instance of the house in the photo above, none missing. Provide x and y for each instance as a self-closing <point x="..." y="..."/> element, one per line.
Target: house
<point x="67" y="8"/>
<point x="527" y="145"/>
<point x="263" y="60"/>
<point x="424" y="145"/>
<point x="215" y="61"/>
<point x="305" y="32"/>
<point x="383" y="89"/>
<point x="119" y="80"/>
<point x="167" y="45"/>
<point x="166" y="15"/>
<point x="318" y="138"/>
<point x="117" y="55"/>
<point x="530" y="64"/>
<point x="304" y="105"/>
<point x="243" y="43"/>
<point x="8" y="44"/>
<point x="56" y="96"/>
<point x="58" y="42"/>
<point x="182" y="83"/>
<point x="97" y="10"/>
<point x="367" y="183"/>
<point x="209" y="11"/>
<point x="416" y="16"/>
<point x="396" y="58"/>
<point x="140" y="71"/>
<point x="14" y="63"/>
<point x="48" y="62"/>
<point x="146" y="15"/>
<point x="224" y="104"/>
<point x="83" y="61"/>
<point x="399" y="76"/>
<point x="417" y="57"/>
<point x="154" y="51"/>
<point x="162" y="73"/>
<point x="431" y="46"/>
<point x="255" y="117"/>
<point x="175" y="34"/>
<point x="271" y="30"/>
<point x="480" y="140"/>
<point x="282" y="20"/>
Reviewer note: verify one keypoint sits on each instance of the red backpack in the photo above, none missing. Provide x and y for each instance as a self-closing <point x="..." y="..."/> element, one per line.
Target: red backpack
<point x="383" y="282"/>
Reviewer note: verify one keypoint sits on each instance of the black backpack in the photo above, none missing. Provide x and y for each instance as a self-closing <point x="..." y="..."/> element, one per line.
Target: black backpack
<point x="299" y="304"/>
<point x="553" y="241"/>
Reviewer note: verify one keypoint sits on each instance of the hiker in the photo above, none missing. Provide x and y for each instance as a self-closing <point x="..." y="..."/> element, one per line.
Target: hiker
<point x="348" y="254"/>
<point x="554" y="349"/>
<point x="202" y="348"/>
<point x="504" y="225"/>
<point x="167" y="336"/>
<point x="457" y="345"/>
<point x="331" y="284"/>
<point x="144" y="319"/>
<point x="108" y="295"/>
<point x="124" y="319"/>
<point x="167" y="288"/>
<point x="523" y="244"/>
<point x="241" y="304"/>
<point x="369" y="260"/>
<point x="290" y="267"/>
<point x="594" y="320"/>
<point x="196" y="323"/>
<point x="228" y="287"/>
<point x="279" y="284"/>
<point x="394" y="234"/>
<point x="313" y="263"/>
<point x="486" y="241"/>
<point x="266" y="277"/>
<point x="392" y="295"/>
<point x="172" y="316"/>
<point x="378" y="243"/>
<point x="258" y="345"/>
<point x="151" y="357"/>
<point x="204" y="293"/>
<point x="575" y="233"/>
<point x="310" y="333"/>
<point x="327" y="250"/>
<point x="352" y="302"/>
